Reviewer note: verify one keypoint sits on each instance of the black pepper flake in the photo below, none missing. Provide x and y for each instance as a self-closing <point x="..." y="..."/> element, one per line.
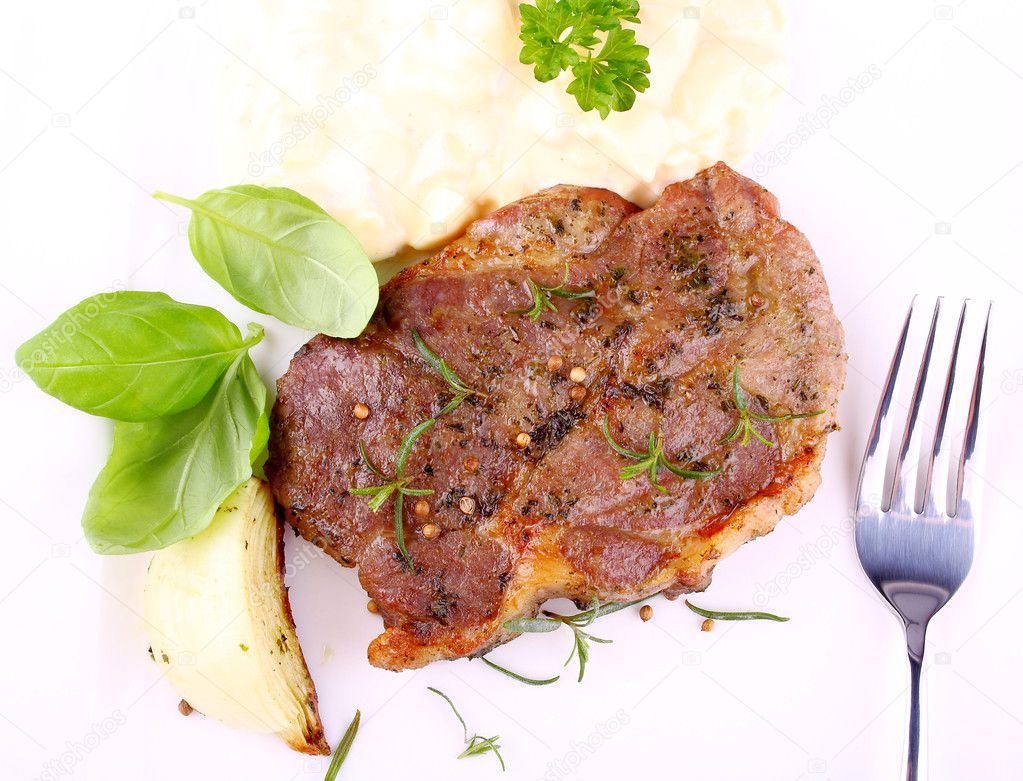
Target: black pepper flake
<point x="553" y="429"/>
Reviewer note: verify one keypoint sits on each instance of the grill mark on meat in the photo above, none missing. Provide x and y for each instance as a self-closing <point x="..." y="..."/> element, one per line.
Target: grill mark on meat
<point x="707" y="277"/>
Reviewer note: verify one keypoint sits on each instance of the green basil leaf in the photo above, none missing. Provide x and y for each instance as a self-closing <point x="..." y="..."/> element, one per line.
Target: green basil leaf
<point x="165" y="478"/>
<point x="132" y="355"/>
<point x="279" y="253"/>
<point x="260" y="445"/>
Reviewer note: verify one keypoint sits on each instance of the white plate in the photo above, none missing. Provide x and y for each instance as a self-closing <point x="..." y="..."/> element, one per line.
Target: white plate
<point x="911" y="186"/>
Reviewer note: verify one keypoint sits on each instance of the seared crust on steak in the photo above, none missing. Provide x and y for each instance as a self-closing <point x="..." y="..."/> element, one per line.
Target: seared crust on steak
<point x="708" y="278"/>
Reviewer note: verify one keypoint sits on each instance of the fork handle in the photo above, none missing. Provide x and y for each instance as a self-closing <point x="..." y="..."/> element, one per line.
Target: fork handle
<point x="913" y="751"/>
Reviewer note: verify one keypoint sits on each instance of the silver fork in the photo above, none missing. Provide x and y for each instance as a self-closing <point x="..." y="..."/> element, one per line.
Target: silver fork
<point x="917" y="553"/>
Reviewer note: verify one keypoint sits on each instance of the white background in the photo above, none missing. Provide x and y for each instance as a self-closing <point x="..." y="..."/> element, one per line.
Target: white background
<point x="911" y="187"/>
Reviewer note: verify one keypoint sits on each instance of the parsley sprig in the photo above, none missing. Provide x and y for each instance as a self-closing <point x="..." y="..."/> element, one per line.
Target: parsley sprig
<point x="542" y="296"/>
<point x="560" y="35"/>
<point x="398" y="484"/>
<point x="652" y="461"/>
<point x="581" y="639"/>
<point x="744" y="428"/>
<point x="477" y="744"/>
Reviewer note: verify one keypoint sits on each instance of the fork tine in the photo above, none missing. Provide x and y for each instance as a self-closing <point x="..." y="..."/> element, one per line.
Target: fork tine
<point x="900" y="484"/>
<point x="961" y="506"/>
<point x="942" y="436"/>
<point x="874" y="463"/>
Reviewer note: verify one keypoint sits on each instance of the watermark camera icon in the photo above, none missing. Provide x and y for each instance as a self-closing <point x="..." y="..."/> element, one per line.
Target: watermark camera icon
<point x="313" y="765"/>
<point x="186" y="659"/>
<point x="60" y="550"/>
<point x="186" y="12"/>
<point x="943" y="13"/>
<point x="943" y="228"/>
<point x="943" y="657"/>
<point x="691" y="12"/>
<point x="61" y="119"/>
<point x="439" y="12"/>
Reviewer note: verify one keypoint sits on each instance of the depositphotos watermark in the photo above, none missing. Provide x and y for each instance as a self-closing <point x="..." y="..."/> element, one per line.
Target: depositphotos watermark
<point x="830" y="538"/>
<point x="812" y="122"/>
<point x="308" y="122"/>
<point x="75" y="752"/>
<point x="580" y="750"/>
<point x="1012" y="381"/>
<point x="58" y="335"/>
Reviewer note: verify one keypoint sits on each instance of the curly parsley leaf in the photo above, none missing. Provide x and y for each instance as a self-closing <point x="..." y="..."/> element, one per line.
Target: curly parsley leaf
<point x="559" y="35"/>
<point x="610" y="80"/>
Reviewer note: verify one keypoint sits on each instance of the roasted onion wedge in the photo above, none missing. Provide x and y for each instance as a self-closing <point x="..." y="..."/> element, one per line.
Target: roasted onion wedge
<point x="220" y="624"/>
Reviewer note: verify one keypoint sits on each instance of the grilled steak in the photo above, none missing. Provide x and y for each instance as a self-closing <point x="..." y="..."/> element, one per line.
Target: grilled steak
<point x="708" y="279"/>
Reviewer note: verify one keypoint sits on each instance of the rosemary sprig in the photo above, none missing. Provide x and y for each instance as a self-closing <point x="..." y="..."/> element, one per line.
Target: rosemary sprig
<point x="459" y="388"/>
<point x="744" y="427"/>
<point x="477" y="744"/>
<point x="341" y="752"/>
<point x="542" y="296"/>
<point x="580" y="639"/>
<point x="398" y="485"/>
<point x="749" y="615"/>
<point x="517" y="677"/>
<point x="652" y="461"/>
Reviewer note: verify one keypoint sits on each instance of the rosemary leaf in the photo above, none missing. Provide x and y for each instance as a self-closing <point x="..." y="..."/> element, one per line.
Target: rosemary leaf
<point x="652" y="461"/>
<point x="405" y="449"/>
<point x="341" y="752"/>
<point x="749" y="615"/>
<point x="440" y="366"/>
<point x="381" y="496"/>
<point x="372" y="467"/>
<point x="454" y="710"/>
<point x="571" y="294"/>
<point x="417" y="491"/>
<point x="480" y="745"/>
<point x="532" y="625"/>
<point x="613" y="607"/>
<point x="477" y="744"/>
<point x="744" y="427"/>
<point x="520" y="678"/>
<point x="399" y="528"/>
<point x="689" y="474"/>
<point x="541" y="295"/>
<point x="615" y="446"/>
